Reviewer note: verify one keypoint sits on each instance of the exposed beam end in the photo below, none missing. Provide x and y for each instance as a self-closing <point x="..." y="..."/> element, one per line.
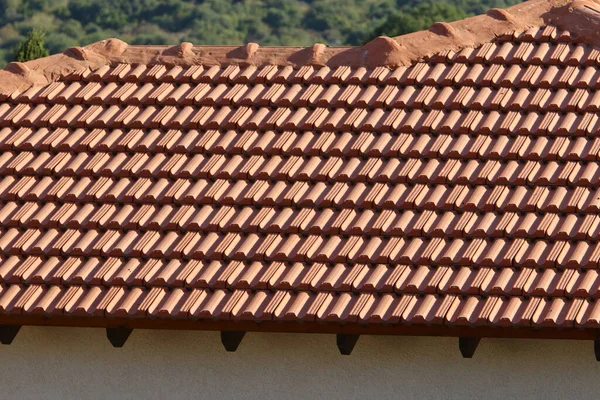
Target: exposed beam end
<point x="118" y="336"/>
<point x="232" y="339"/>
<point x="346" y="343"/>
<point x="597" y="349"/>
<point x="468" y="345"/>
<point x="8" y="333"/>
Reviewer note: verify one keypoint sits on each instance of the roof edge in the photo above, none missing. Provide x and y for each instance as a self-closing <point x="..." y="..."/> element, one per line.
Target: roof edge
<point x="397" y="329"/>
<point x="381" y="51"/>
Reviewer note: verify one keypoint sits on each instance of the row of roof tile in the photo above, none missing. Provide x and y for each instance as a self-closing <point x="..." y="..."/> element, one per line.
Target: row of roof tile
<point x="551" y="123"/>
<point x="302" y="194"/>
<point x="300" y="306"/>
<point x="260" y="275"/>
<point x="295" y="247"/>
<point x="290" y="143"/>
<point x="514" y="88"/>
<point x="243" y="171"/>
<point x="307" y="221"/>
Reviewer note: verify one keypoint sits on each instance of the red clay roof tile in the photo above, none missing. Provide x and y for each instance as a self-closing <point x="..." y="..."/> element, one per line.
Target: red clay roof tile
<point x="443" y="179"/>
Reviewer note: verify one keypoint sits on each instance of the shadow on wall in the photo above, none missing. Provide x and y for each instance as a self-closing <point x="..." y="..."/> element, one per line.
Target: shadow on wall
<point x="58" y="363"/>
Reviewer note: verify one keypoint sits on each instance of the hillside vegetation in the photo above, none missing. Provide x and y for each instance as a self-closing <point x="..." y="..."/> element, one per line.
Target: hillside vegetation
<point x="268" y="22"/>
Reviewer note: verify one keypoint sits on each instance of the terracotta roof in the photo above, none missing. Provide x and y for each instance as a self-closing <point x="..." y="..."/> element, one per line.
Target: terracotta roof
<point x="444" y="179"/>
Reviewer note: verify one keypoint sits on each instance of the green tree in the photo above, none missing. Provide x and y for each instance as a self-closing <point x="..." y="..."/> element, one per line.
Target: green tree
<point x="33" y="47"/>
<point x="415" y="15"/>
<point x="223" y="22"/>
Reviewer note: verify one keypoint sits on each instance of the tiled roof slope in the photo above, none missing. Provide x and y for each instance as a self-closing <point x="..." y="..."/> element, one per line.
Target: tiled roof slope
<point x="461" y="189"/>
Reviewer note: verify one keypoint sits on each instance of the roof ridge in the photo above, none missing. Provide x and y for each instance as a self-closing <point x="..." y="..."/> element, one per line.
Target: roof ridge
<point x="582" y="17"/>
<point x="381" y="51"/>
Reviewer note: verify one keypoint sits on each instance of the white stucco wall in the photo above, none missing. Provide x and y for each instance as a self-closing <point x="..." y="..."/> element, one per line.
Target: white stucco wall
<point x="65" y="363"/>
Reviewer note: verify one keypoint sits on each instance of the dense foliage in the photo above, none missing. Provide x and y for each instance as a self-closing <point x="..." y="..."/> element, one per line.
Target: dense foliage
<point x="33" y="47"/>
<point x="267" y="22"/>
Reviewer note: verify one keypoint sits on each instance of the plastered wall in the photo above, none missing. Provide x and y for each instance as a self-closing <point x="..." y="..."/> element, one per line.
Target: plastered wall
<point x="69" y="363"/>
